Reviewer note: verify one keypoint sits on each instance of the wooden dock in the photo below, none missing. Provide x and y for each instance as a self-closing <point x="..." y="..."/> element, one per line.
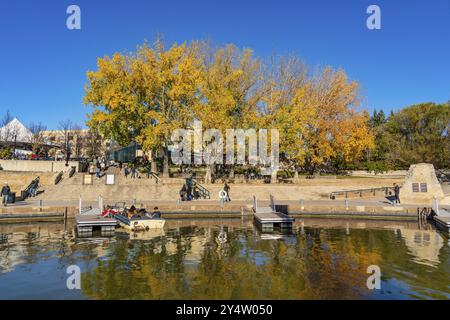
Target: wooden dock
<point x="443" y="223"/>
<point x="87" y="222"/>
<point x="268" y="218"/>
<point x="441" y="216"/>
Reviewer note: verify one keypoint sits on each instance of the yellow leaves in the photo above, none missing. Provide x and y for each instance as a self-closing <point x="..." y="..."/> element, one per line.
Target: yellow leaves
<point x="146" y="95"/>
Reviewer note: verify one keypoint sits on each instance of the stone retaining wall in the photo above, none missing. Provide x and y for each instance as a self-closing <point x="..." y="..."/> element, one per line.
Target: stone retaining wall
<point x="37" y="165"/>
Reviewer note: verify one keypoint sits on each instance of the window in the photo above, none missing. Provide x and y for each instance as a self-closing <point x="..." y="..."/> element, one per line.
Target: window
<point x="415" y="187"/>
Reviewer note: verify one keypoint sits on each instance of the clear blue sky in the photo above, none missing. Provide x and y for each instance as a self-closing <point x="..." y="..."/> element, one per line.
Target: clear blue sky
<point x="43" y="64"/>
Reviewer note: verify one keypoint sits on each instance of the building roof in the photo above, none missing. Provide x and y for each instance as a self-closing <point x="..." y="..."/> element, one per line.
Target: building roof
<point x="15" y="131"/>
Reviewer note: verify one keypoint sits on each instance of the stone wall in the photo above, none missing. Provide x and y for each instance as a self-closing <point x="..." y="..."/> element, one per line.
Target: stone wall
<point x="19" y="180"/>
<point x="37" y="165"/>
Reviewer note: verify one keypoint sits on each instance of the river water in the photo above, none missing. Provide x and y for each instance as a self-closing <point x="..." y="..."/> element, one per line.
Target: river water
<point x="227" y="259"/>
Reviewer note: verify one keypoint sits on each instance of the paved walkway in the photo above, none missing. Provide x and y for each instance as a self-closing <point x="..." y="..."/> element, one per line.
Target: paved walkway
<point x="325" y="202"/>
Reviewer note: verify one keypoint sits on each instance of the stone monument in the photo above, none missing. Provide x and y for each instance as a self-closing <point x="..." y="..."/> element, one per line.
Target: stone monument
<point x="421" y="185"/>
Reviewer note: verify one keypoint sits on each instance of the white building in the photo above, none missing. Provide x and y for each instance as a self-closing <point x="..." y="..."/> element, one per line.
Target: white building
<point x="15" y="131"/>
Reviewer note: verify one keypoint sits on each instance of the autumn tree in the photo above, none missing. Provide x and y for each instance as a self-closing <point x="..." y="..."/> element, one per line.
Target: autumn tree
<point x="144" y="96"/>
<point x="37" y="138"/>
<point x="229" y="91"/>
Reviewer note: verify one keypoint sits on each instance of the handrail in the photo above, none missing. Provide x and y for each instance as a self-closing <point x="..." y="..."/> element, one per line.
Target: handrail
<point x="154" y="175"/>
<point x="72" y="172"/>
<point x="204" y="193"/>
<point x="360" y="191"/>
<point x="25" y="193"/>
<point x="58" y="177"/>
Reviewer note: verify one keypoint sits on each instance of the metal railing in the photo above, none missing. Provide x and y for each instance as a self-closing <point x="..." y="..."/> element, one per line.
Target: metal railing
<point x="24" y="194"/>
<point x="72" y="172"/>
<point x="59" y="177"/>
<point x="387" y="191"/>
<point x="202" y="191"/>
<point x="155" y="176"/>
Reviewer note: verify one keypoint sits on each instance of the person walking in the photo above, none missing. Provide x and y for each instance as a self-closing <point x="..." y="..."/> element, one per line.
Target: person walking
<point x="133" y="171"/>
<point x="97" y="172"/>
<point x="5" y="194"/>
<point x="226" y="188"/>
<point x="397" y="193"/>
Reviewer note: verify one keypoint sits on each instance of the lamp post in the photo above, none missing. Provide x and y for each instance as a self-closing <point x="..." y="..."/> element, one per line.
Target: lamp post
<point x="14" y="146"/>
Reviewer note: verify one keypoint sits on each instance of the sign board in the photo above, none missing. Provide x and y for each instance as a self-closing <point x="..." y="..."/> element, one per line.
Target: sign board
<point x="110" y="179"/>
<point x="423" y="187"/>
<point x="87" y="179"/>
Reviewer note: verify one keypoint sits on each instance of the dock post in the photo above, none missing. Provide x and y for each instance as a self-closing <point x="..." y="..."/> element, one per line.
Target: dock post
<point x="346" y="204"/>
<point x="100" y="203"/>
<point x="435" y="206"/>
<point x="65" y="214"/>
<point x="79" y="205"/>
<point x="302" y="204"/>
<point x="40" y="205"/>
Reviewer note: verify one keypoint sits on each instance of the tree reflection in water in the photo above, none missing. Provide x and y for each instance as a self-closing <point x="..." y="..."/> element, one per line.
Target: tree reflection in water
<point x="232" y="261"/>
<point x="321" y="264"/>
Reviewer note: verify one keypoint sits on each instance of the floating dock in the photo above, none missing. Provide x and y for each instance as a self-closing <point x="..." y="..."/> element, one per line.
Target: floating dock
<point x="268" y="218"/>
<point x="441" y="216"/>
<point x="442" y="223"/>
<point x="92" y="219"/>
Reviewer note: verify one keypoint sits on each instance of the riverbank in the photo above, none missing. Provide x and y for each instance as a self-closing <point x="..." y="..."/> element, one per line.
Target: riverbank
<point x="354" y="209"/>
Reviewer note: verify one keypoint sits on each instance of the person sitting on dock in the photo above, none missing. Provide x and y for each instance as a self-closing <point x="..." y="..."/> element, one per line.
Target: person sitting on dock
<point x="131" y="212"/>
<point x="183" y="193"/>
<point x="156" y="213"/>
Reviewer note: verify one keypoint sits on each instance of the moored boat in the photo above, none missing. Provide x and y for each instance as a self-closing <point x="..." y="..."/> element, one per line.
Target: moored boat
<point x="142" y="221"/>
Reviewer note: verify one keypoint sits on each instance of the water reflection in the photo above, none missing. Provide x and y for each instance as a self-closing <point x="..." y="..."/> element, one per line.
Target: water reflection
<point x="228" y="259"/>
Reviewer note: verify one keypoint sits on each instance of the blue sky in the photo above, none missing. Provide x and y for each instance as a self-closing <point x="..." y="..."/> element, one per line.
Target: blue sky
<point x="43" y="64"/>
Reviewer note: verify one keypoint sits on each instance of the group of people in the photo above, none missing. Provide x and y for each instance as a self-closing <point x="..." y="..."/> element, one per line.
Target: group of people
<point x="129" y="170"/>
<point x="99" y="167"/>
<point x="189" y="193"/>
<point x="134" y="213"/>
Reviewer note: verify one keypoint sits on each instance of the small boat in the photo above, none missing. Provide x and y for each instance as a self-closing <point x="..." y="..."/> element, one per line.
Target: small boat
<point x="142" y="222"/>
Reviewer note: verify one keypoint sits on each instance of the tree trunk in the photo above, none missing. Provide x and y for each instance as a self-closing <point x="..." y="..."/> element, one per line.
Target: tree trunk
<point x="273" y="176"/>
<point x="166" y="163"/>
<point x="153" y="167"/>
<point x="296" y="175"/>
<point x="231" y="175"/>
<point x="208" y="175"/>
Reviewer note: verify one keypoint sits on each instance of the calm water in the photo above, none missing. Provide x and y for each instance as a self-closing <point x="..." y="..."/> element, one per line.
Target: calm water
<point x="227" y="259"/>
